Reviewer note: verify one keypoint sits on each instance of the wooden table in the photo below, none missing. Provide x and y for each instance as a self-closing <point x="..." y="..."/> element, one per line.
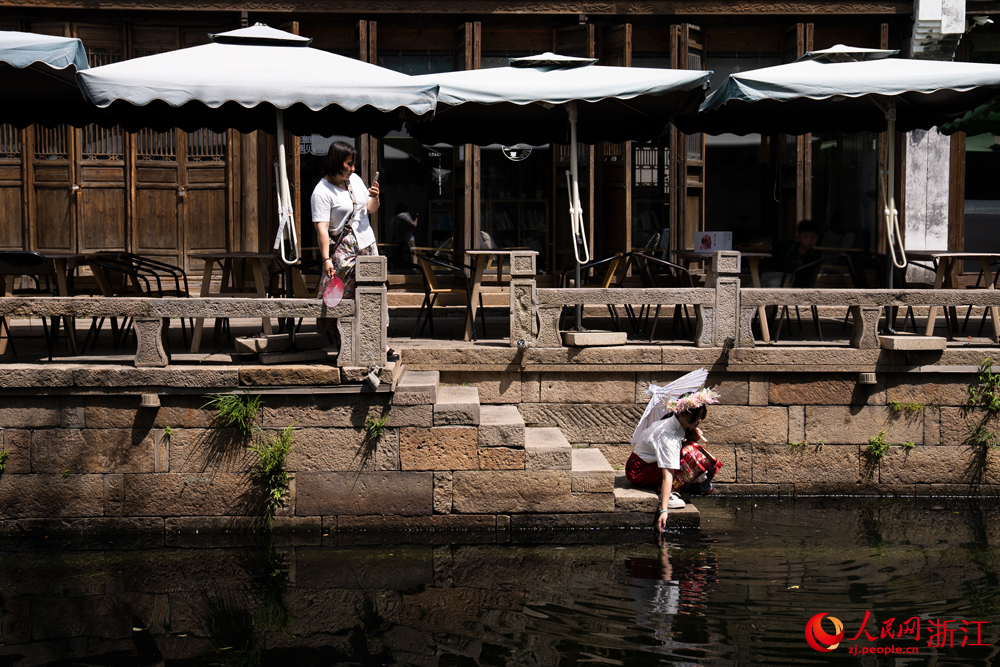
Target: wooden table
<point x="753" y="259"/>
<point x="238" y="269"/>
<point x="480" y="258"/>
<point x="945" y="262"/>
<point x="63" y="264"/>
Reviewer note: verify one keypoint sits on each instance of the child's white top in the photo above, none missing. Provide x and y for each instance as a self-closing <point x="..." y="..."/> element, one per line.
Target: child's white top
<point x="661" y="444"/>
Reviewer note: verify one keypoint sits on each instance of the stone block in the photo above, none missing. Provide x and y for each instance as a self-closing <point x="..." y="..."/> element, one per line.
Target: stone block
<point x="927" y="465"/>
<point x="733" y="388"/>
<point x="825" y="389"/>
<point x="149" y="342"/>
<point x="403" y="524"/>
<point x="412" y="415"/>
<point x="358" y="374"/>
<point x="594" y="338"/>
<point x="737" y="424"/>
<point x="91" y="450"/>
<point x="350" y="493"/>
<point x="826" y="464"/>
<point x="531" y="388"/>
<point x="631" y="498"/>
<point x="30" y="411"/>
<point x="501" y="458"/>
<point x="442" y="492"/>
<point x="509" y="491"/>
<point x="73" y="412"/>
<point x="17" y="376"/>
<point x="323" y="410"/>
<point x="796" y="423"/>
<point x="161" y="450"/>
<point x="205" y="450"/>
<point x="601" y="358"/>
<point x="90" y="526"/>
<point x="501" y="426"/>
<point x="371" y="269"/>
<point x="759" y="390"/>
<point x="313" y="375"/>
<point x="735" y="462"/>
<point x="172" y="376"/>
<point x="457" y="406"/>
<point x="325" y="449"/>
<point x="52" y="496"/>
<point x="616" y="454"/>
<point x="957" y="424"/>
<point x="188" y="494"/>
<point x="912" y="342"/>
<point x="589" y="387"/>
<point x="278" y="343"/>
<point x="372" y="309"/>
<point x="812" y="357"/>
<point x="439" y="448"/>
<point x="114" y="495"/>
<point x="591" y="472"/>
<point x="494" y="386"/>
<point x="546" y="449"/>
<point x="587" y="423"/>
<point x="836" y="425"/>
<point x="417" y="388"/>
<point x="932" y="426"/>
<point x="754" y="490"/>
<point x="944" y="389"/>
<point x="17" y="442"/>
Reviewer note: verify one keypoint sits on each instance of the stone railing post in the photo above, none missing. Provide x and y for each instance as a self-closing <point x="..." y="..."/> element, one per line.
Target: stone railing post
<point x="371" y="310"/>
<point x="150" y="352"/>
<point x="726" y="270"/>
<point x="522" y="297"/>
<point x="865" y="333"/>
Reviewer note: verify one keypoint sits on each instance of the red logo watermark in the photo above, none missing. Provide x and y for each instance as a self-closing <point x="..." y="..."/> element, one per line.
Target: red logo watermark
<point x="940" y="633"/>
<point x="816" y="636"/>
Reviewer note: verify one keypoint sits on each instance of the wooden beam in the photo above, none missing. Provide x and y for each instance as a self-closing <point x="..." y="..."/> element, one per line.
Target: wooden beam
<point x="617" y="8"/>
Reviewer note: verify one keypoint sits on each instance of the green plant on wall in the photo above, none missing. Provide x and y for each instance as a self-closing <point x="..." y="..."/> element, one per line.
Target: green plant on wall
<point x="375" y="427"/>
<point x="268" y="471"/>
<point x="237" y="410"/>
<point x="986" y="389"/>
<point x="3" y="460"/>
<point x="899" y="407"/>
<point x="167" y="431"/>
<point x="877" y="446"/>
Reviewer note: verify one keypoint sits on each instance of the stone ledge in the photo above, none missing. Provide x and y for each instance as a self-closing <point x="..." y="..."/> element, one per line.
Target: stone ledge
<point x="689" y="517"/>
<point x="83" y="526"/>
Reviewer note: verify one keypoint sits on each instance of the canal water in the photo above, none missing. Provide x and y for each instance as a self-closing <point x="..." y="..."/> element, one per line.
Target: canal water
<point x="912" y="581"/>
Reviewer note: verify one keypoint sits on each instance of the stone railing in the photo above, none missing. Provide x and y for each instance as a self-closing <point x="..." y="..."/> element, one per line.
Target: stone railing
<point x="716" y="307"/>
<point x="361" y="322"/>
<point x="865" y="306"/>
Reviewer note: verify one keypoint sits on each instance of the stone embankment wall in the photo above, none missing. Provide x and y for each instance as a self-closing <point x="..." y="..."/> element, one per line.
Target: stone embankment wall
<point x="85" y="454"/>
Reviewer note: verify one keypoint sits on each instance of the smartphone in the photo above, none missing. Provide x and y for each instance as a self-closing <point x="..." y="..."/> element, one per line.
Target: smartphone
<point x="375" y="180"/>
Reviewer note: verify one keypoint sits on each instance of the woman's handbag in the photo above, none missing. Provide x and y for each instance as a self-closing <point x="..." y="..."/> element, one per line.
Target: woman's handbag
<point x="696" y="462"/>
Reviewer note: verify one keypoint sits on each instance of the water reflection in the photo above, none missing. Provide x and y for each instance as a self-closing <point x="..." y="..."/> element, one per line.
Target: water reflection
<point x="738" y="592"/>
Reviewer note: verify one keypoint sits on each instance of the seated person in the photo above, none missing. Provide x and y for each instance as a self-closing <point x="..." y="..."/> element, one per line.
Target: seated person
<point x="790" y="255"/>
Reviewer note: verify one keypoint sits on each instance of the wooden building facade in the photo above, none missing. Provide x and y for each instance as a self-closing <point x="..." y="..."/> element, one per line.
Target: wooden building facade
<point x="171" y="194"/>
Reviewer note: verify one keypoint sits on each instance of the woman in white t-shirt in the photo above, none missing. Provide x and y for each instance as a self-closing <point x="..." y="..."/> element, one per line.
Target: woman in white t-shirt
<point x="341" y="205"/>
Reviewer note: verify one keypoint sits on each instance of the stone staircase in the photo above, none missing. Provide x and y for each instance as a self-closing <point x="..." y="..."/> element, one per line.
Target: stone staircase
<point x="486" y="461"/>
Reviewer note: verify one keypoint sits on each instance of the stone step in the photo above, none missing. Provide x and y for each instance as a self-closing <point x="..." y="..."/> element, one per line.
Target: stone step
<point x="629" y="498"/>
<point x="457" y="406"/>
<point x="547" y="449"/>
<point x="500" y="426"/>
<point x="591" y="471"/>
<point x="417" y="388"/>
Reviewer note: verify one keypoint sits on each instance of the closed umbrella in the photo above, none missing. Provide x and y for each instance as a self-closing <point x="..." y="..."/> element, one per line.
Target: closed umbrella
<point x="559" y="99"/>
<point x="848" y="89"/>
<point x="39" y="73"/>
<point x="258" y="78"/>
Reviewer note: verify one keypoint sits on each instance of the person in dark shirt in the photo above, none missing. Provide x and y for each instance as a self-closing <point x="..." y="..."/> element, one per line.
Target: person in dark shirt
<point x="791" y="255"/>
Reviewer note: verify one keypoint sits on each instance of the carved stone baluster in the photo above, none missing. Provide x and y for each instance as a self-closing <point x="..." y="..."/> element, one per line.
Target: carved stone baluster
<point x="865" y="334"/>
<point x="150" y="351"/>
<point x="522" y="297"/>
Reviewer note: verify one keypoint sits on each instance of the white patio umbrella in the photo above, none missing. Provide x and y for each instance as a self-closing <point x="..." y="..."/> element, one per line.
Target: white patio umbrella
<point x="39" y="73"/>
<point x="559" y="99"/>
<point x="848" y="89"/>
<point x="258" y="78"/>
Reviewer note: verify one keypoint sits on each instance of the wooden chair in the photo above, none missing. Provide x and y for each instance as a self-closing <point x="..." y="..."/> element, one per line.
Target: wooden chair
<point x="19" y="263"/>
<point x="803" y="277"/>
<point x="432" y="289"/>
<point x="653" y="272"/>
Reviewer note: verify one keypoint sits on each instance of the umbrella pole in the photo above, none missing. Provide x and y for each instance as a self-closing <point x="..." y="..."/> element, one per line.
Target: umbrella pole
<point x="891" y="215"/>
<point x="286" y="224"/>
<point x="576" y="212"/>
